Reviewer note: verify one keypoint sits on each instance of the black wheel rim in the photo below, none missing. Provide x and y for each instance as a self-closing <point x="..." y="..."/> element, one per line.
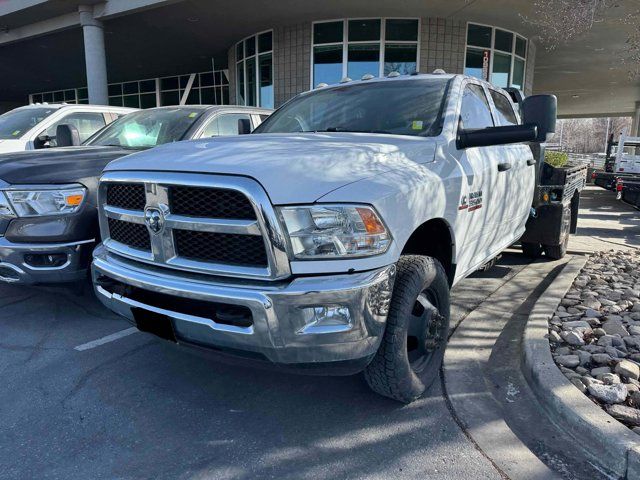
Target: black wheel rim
<point x="425" y="333"/>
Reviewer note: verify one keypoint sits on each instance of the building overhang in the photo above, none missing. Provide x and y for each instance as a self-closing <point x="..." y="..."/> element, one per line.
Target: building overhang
<point x="148" y="37"/>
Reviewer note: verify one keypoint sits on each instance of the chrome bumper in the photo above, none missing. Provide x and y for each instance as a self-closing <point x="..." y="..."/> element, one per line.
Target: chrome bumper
<point x="14" y="269"/>
<point x="281" y="331"/>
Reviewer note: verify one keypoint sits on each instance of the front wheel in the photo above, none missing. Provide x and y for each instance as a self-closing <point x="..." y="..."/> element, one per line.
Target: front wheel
<point x="415" y="338"/>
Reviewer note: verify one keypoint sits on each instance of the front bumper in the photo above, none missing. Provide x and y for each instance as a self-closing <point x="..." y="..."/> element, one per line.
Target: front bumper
<point x="16" y="270"/>
<point x="279" y="332"/>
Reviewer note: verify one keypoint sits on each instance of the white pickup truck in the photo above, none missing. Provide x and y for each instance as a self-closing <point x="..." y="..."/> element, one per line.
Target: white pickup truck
<point x="329" y="240"/>
<point x="33" y="127"/>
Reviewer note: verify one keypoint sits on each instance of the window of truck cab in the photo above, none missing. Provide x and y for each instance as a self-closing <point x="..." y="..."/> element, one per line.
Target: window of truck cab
<point x="408" y="106"/>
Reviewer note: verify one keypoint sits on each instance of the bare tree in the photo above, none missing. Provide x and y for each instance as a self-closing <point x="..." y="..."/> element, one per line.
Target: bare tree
<point x="588" y="135"/>
<point x="560" y="21"/>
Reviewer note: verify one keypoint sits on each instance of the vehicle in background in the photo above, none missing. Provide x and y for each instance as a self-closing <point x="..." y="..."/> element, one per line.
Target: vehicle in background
<point x="328" y="241"/>
<point x="623" y="162"/>
<point x="48" y="215"/>
<point x="33" y="127"/>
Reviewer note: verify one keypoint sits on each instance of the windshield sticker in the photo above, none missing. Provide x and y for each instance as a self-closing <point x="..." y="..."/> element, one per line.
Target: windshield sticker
<point x="417" y="125"/>
<point x="193" y="114"/>
<point x="16" y="133"/>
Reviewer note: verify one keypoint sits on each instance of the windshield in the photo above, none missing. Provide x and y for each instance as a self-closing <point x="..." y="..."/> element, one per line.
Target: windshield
<point x="148" y="128"/>
<point x="406" y="107"/>
<point x="17" y="122"/>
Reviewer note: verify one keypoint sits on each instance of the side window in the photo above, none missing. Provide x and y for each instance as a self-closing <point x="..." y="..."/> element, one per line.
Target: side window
<point x="223" y="125"/>
<point x="506" y="116"/>
<point x="211" y="130"/>
<point x="87" y="124"/>
<point x="475" y="111"/>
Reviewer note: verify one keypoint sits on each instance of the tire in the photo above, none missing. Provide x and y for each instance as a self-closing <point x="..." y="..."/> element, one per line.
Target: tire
<point x="531" y="250"/>
<point x="556" y="252"/>
<point x="404" y="366"/>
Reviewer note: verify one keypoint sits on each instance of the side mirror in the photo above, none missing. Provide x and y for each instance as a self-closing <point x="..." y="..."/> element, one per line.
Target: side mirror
<point x="244" y="126"/>
<point x="542" y="111"/>
<point x="42" y="141"/>
<point x="484" y="137"/>
<point x="67" y="136"/>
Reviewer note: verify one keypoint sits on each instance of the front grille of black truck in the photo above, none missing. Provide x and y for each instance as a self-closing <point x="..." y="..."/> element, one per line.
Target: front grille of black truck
<point x="217" y="225"/>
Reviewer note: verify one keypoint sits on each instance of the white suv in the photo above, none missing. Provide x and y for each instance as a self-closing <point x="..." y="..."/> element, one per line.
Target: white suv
<point x="34" y="126"/>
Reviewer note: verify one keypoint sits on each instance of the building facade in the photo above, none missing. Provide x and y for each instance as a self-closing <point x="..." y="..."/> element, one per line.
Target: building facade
<point x="148" y="53"/>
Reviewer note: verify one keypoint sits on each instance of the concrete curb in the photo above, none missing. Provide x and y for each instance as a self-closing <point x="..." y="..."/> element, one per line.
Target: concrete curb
<point x="611" y="445"/>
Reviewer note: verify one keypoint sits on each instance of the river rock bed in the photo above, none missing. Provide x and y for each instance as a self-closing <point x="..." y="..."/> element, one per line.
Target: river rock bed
<point x="595" y="334"/>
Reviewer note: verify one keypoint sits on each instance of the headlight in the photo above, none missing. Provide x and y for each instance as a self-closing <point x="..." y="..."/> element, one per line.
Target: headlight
<point x="5" y="208"/>
<point x="38" y="202"/>
<point x="334" y="231"/>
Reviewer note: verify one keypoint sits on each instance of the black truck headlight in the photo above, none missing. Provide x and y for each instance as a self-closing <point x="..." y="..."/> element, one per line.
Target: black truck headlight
<point x="40" y="201"/>
<point x="5" y="208"/>
<point x="334" y="231"/>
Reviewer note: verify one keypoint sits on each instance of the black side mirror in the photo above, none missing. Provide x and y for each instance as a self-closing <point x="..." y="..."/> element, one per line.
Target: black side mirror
<point x="244" y="126"/>
<point x="42" y="141"/>
<point x="67" y="136"/>
<point x="484" y="137"/>
<point x="542" y="111"/>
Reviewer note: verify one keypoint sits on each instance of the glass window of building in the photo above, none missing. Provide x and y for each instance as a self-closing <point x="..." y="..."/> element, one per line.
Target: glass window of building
<point x="254" y="71"/>
<point x="357" y="47"/>
<point x="496" y="55"/>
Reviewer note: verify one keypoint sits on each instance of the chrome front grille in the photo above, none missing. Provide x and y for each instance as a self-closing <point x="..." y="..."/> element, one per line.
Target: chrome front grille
<point x="212" y="224"/>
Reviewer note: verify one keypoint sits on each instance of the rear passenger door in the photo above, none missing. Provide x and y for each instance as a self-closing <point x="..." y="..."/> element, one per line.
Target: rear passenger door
<point x="479" y="224"/>
<point x="518" y="181"/>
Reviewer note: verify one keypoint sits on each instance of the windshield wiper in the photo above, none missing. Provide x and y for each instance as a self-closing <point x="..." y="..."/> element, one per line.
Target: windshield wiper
<point x="125" y="147"/>
<point x="347" y="130"/>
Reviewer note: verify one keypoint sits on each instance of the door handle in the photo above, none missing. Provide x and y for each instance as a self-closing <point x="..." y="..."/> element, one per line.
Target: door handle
<point x="503" y="167"/>
<point x="530" y="162"/>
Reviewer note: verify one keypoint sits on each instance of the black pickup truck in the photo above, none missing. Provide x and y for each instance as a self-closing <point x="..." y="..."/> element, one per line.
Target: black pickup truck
<point x="48" y="211"/>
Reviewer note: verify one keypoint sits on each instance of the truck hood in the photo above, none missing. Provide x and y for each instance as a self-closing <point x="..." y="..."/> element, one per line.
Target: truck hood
<point x="293" y="168"/>
<point x="11" y="145"/>
<point x="57" y="165"/>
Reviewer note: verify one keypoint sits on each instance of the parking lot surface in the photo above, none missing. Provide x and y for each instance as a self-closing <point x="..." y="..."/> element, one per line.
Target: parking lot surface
<point x="132" y="406"/>
<point x="86" y="396"/>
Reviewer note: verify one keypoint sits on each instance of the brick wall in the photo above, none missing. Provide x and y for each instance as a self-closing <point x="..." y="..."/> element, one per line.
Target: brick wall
<point x="292" y="61"/>
<point x="531" y="65"/>
<point x="442" y="45"/>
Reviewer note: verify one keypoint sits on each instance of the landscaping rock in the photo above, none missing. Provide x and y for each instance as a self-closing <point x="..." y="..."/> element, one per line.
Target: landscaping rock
<point x="600" y="371"/>
<point x="572" y="338"/>
<point x="609" y="393"/>
<point x="569" y="361"/>
<point x="601" y="358"/>
<point x="628" y="369"/>
<point x="627" y="415"/>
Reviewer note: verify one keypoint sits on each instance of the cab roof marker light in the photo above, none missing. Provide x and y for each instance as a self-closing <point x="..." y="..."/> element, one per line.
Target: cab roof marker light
<point x="322" y="85"/>
<point x="346" y="80"/>
<point x="367" y="76"/>
<point x="439" y="71"/>
<point x="393" y="74"/>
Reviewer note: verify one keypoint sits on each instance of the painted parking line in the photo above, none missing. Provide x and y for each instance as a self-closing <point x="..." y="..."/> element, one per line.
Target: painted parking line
<point x="109" y="338"/>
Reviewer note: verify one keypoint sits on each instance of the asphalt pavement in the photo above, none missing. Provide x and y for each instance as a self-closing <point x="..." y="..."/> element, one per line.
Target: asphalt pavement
<point x="83" y="397"/>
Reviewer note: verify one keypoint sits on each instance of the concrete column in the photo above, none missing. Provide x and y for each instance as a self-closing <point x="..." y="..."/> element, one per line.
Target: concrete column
<point x="94" y="56"/>
<point x="635" y="128"/>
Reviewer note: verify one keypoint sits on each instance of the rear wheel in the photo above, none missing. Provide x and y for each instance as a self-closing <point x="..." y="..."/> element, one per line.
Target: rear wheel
<point x="531" y="250"/>
<point x="557" y="252"/>
<point x="412" y="349"/>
